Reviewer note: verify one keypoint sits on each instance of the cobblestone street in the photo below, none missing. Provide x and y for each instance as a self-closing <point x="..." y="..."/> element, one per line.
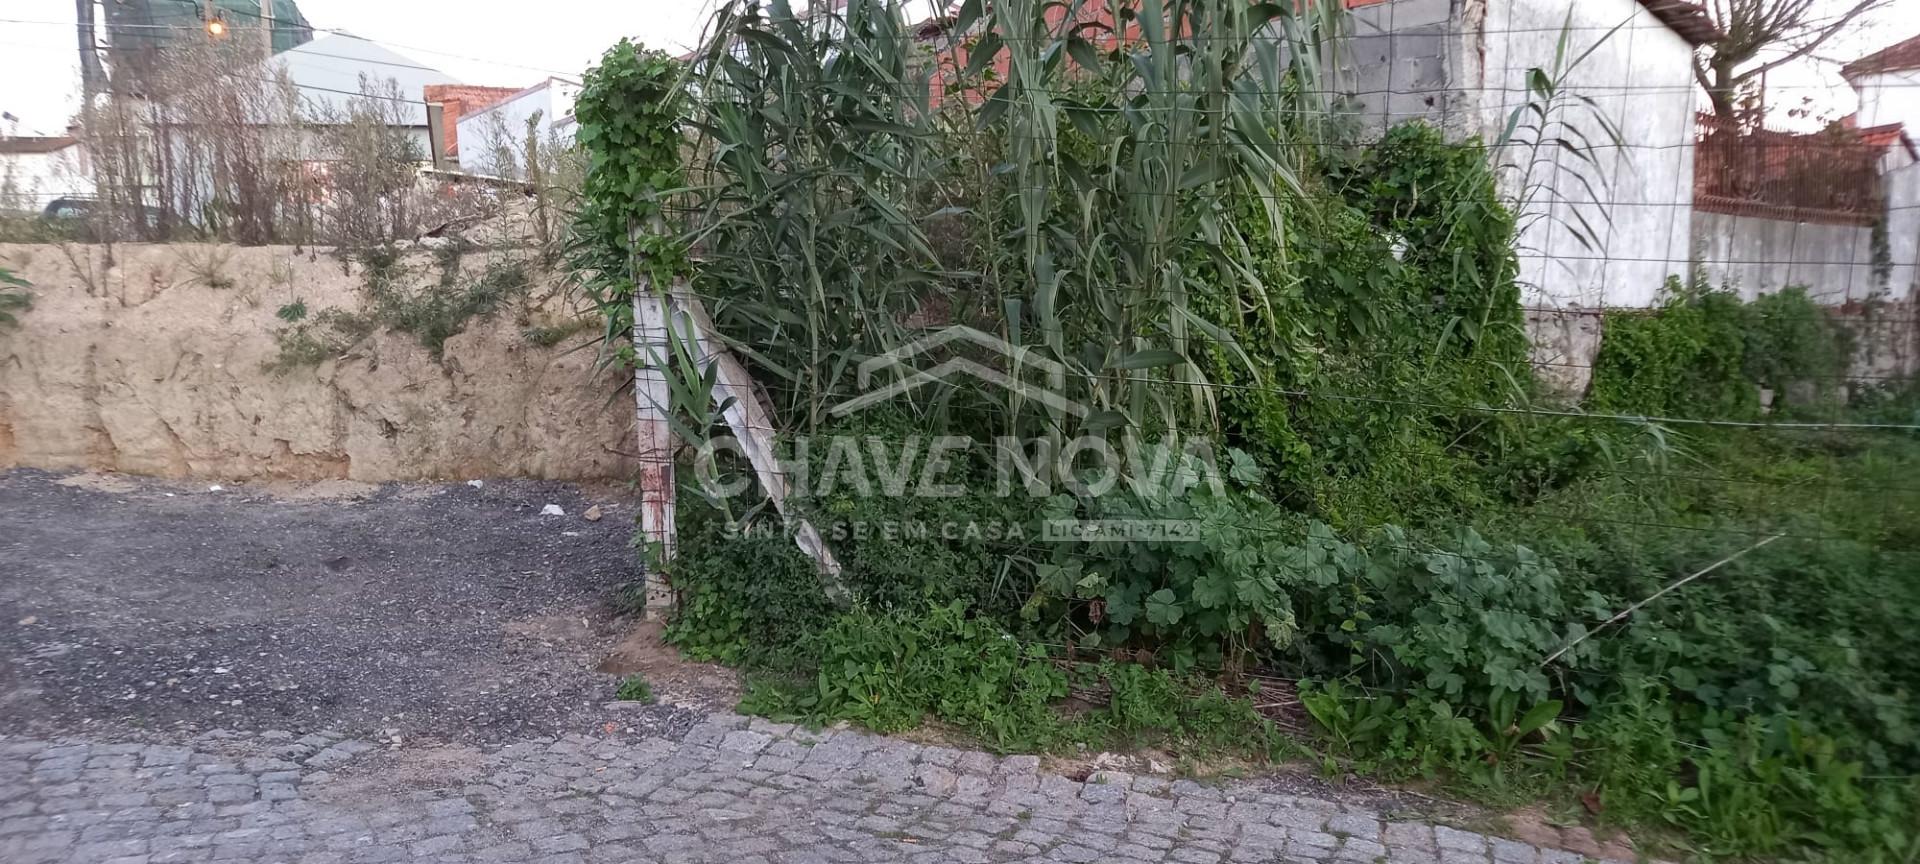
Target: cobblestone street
<point x="730" y="791"/>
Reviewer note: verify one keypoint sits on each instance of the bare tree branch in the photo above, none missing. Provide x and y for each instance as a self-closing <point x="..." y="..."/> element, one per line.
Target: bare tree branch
<point x="1858" y="9"/>
<point x="1726" y="68"/>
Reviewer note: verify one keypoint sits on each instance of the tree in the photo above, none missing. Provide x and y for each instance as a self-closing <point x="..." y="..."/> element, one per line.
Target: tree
<point x="1762" y="35"/>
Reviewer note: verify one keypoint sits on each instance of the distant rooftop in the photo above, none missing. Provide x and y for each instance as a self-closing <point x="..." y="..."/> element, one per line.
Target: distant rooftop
<point x="329" y="71"/>
<point x="1898" y="57"/>
<point x="35" y="144"/>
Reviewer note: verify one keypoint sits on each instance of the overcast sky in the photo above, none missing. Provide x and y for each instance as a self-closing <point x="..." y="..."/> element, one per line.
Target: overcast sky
<point x="517" y="43"/>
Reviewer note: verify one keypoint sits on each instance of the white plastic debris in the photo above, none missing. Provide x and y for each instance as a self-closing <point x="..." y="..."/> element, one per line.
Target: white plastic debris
<point x="216" y="488"/>
<point x="476" y="483"/>
<point x="552" y="510"/>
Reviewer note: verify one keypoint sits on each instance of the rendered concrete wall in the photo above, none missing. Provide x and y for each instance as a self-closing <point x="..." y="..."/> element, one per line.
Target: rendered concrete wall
<point x="1903" y="231"/>
<point x="1755" y="256"/>
<point x="1562" y="345"/>
<point x="1402" y="64"/>
<point x="1837" y="263"/>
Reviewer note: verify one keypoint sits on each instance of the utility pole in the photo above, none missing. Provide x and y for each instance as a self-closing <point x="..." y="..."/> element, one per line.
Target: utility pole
<point x="92" y="78"/>
<point x="266" y="24"/>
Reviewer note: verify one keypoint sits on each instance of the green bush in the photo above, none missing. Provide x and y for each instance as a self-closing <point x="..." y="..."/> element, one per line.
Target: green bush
<point x="1705" y="354"/>
<point x="745" y="595"/>
<point x="892" y="672"/>
<point x="634" y="688"/>
<point x="14" y="298"/>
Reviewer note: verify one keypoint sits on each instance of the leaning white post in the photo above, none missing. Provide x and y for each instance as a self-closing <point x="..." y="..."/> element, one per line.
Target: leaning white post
<point x="747" y="413"/>
<point x="652" y="399"/>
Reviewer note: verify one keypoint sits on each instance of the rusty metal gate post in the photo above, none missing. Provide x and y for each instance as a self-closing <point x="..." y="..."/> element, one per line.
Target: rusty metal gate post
<point x="652" y="400"/>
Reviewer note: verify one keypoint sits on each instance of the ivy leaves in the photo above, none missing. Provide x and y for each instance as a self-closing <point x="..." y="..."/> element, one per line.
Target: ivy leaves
<point x="1204" y="596"/>
<point x="629" y="113"/>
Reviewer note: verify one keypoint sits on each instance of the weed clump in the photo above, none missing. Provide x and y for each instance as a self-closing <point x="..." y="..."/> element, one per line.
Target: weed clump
<point x="634" y="688"/>
<point x="14" y="298"/>
<point x="432" y="312"/>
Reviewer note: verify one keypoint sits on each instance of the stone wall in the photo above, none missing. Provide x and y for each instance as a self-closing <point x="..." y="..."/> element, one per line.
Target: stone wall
<point x="150" y="359"/>
<point x="1563" y="344"/>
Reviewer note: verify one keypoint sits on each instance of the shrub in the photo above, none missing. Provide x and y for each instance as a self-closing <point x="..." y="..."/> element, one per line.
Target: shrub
<point x="1705" y="354"/>
<point x="14" y="298"/>
<point x="634" y="688"/>
<point x="891" y="672"/>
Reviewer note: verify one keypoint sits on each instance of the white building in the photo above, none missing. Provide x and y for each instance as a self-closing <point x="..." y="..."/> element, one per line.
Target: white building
<point x="1611" y="235"/>
<point x="35" y="171"/>
<point x="335" y="73"/>
<point x="1888" y="85"/>
<point x="493" y="139"/>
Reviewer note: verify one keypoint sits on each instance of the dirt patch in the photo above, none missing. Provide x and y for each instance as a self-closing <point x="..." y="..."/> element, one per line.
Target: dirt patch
<point x="549" y="630"/>
<point x="402" y="770"/>
<point x="675" y="679"/>
<point x="434" y="612"/>
<point x="324" y="490"/>
<point x="112" y="484"/>
<point x="1535" y="825"/>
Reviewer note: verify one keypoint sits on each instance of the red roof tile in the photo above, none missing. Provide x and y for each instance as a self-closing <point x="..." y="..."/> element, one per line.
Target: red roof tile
<point x="34" y="144"/>
<point x="1893" y="58"/>
<point x="1828" y="176"/>
<point x="1687" y="18"/>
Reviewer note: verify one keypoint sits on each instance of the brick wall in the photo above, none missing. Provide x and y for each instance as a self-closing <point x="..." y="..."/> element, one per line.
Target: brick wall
<point x="459" y="100"/>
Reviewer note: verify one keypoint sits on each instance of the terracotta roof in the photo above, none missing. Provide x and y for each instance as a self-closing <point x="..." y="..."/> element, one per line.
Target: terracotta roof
<point x="35" y="144"/>
<point x="1893" y="58"/>
<point x="1886" y="135"/>
<point x="1687" y="18"/>
<point x="1831" y="176"/>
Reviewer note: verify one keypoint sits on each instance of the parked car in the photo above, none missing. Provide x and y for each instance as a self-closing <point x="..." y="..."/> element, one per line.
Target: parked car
<point x="83" y="215"/>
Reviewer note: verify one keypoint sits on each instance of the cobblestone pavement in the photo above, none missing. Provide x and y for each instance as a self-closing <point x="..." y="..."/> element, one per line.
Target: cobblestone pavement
<point x="731" y="790"/>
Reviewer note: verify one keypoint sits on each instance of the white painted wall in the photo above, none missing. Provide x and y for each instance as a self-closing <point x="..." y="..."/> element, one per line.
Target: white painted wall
<point x="1754" y="256"/>
<point x="1890" y="97"/>
<point x="1642" y="207"/>
<point x="28" y="181"/>
<point x="1433" y="60"/>
<point x="1903" y="231"/>
<point x="504" y="124"/>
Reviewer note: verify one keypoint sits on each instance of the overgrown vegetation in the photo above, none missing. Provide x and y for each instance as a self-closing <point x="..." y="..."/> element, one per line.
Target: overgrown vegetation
<point x="197" y="140"/>
<point x="1172" y="241"/>
<point x="1706" y="354"/>
<point x="14" y="298"/>
<point x="398" y="297"/>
